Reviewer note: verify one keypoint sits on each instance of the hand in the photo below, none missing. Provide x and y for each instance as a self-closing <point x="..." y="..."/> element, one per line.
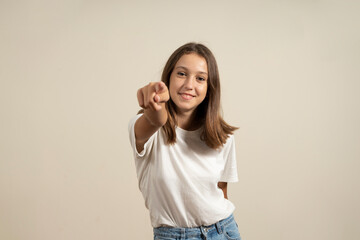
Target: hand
<point x="153" y="95"/>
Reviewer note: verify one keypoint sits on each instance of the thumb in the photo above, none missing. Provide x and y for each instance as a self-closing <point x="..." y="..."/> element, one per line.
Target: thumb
<point x="157" y="98"/>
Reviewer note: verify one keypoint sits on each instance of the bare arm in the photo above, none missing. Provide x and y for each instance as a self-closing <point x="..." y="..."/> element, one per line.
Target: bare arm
<point x="223" y="187"/>
<point x="152" y="98"/>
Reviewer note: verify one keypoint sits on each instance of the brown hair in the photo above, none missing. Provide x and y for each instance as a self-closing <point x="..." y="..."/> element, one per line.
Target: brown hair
<point x="216" y="130"/>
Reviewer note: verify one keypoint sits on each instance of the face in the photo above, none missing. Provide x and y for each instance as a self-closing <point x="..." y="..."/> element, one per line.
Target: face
<point x="188" y="82"/>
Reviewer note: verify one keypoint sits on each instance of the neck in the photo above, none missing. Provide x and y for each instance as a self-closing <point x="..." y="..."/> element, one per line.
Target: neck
<point x="187" y="121"/>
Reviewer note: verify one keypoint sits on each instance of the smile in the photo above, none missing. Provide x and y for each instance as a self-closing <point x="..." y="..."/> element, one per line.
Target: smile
<point x="186" y="96"/>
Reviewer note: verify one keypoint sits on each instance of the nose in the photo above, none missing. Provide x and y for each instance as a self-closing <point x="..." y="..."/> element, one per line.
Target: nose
<point x="189" y="82"/>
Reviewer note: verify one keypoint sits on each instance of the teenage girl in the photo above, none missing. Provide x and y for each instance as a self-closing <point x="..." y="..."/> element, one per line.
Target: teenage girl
<point x="184" y="151"/>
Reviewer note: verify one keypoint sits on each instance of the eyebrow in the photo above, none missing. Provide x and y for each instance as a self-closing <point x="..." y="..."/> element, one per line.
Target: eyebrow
<point x="188" y="70"/>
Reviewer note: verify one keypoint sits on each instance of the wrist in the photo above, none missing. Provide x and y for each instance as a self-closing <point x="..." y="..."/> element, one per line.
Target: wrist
<point x="156" y="119"/>
<point x="148" y="118"/>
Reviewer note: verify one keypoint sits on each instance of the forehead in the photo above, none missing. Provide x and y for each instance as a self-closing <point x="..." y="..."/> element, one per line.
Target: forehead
<point x="192" y="62"/>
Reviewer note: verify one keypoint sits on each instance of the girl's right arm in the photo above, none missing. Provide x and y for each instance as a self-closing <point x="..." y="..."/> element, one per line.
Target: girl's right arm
<point x="152" y="99"/>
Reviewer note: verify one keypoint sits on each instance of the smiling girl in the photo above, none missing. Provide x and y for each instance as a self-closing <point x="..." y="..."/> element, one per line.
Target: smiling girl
<point x="184" y="151"/>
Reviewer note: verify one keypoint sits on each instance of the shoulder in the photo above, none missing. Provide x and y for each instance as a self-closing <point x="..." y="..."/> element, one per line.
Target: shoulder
<point x="229" y="144"/>
<point x="230" y="139"/>
<point x="133" y="120"/>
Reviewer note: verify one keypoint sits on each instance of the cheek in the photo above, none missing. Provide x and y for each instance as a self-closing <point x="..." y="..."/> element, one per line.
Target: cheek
<point x="202" y="90"/>
<point x="172" y="87"/>
<point x="172" y="94"/>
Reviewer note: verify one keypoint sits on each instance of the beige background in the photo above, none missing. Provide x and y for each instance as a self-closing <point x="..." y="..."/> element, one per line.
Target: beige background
<point x="69" y="71"/>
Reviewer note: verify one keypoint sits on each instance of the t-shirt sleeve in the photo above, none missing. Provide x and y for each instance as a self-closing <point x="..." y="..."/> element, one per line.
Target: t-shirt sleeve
<point x="230" y="170"/>
<point x="147" y="145"/>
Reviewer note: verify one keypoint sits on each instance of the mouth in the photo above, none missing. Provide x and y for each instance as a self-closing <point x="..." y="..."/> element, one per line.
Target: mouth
<point x="186" y="96"/>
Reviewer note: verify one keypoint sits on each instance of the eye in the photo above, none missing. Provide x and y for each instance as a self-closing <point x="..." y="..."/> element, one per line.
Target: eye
<point x="201" y="79"/>
<point x="181" y="74"/>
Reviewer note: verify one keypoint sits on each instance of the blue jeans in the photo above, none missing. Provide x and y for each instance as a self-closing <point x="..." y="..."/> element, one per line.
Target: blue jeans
<point x="225" y="229"/>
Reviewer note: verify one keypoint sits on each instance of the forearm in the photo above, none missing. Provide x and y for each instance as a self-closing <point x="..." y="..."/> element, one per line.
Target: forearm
<point x="156" y="118"/>
<point x="148" y="124"/>
<point x="152" y="99"/>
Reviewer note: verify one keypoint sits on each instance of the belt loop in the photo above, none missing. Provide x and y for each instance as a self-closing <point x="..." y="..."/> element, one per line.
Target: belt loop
<point x="203" y="232"/>
<point x="218" y="227"/>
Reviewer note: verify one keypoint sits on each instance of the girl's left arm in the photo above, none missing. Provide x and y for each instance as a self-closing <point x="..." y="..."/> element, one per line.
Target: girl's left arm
<point x="223" y="187"/>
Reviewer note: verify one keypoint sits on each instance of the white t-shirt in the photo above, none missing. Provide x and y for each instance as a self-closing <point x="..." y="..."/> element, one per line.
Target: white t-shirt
<point x="179" y="182"/>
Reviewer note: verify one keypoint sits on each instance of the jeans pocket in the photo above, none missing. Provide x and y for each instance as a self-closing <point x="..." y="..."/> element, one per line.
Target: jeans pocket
<point x="231" y="231"/>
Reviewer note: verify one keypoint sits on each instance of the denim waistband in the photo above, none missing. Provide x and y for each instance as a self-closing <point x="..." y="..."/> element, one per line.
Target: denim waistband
<point x="177" y="232"/>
